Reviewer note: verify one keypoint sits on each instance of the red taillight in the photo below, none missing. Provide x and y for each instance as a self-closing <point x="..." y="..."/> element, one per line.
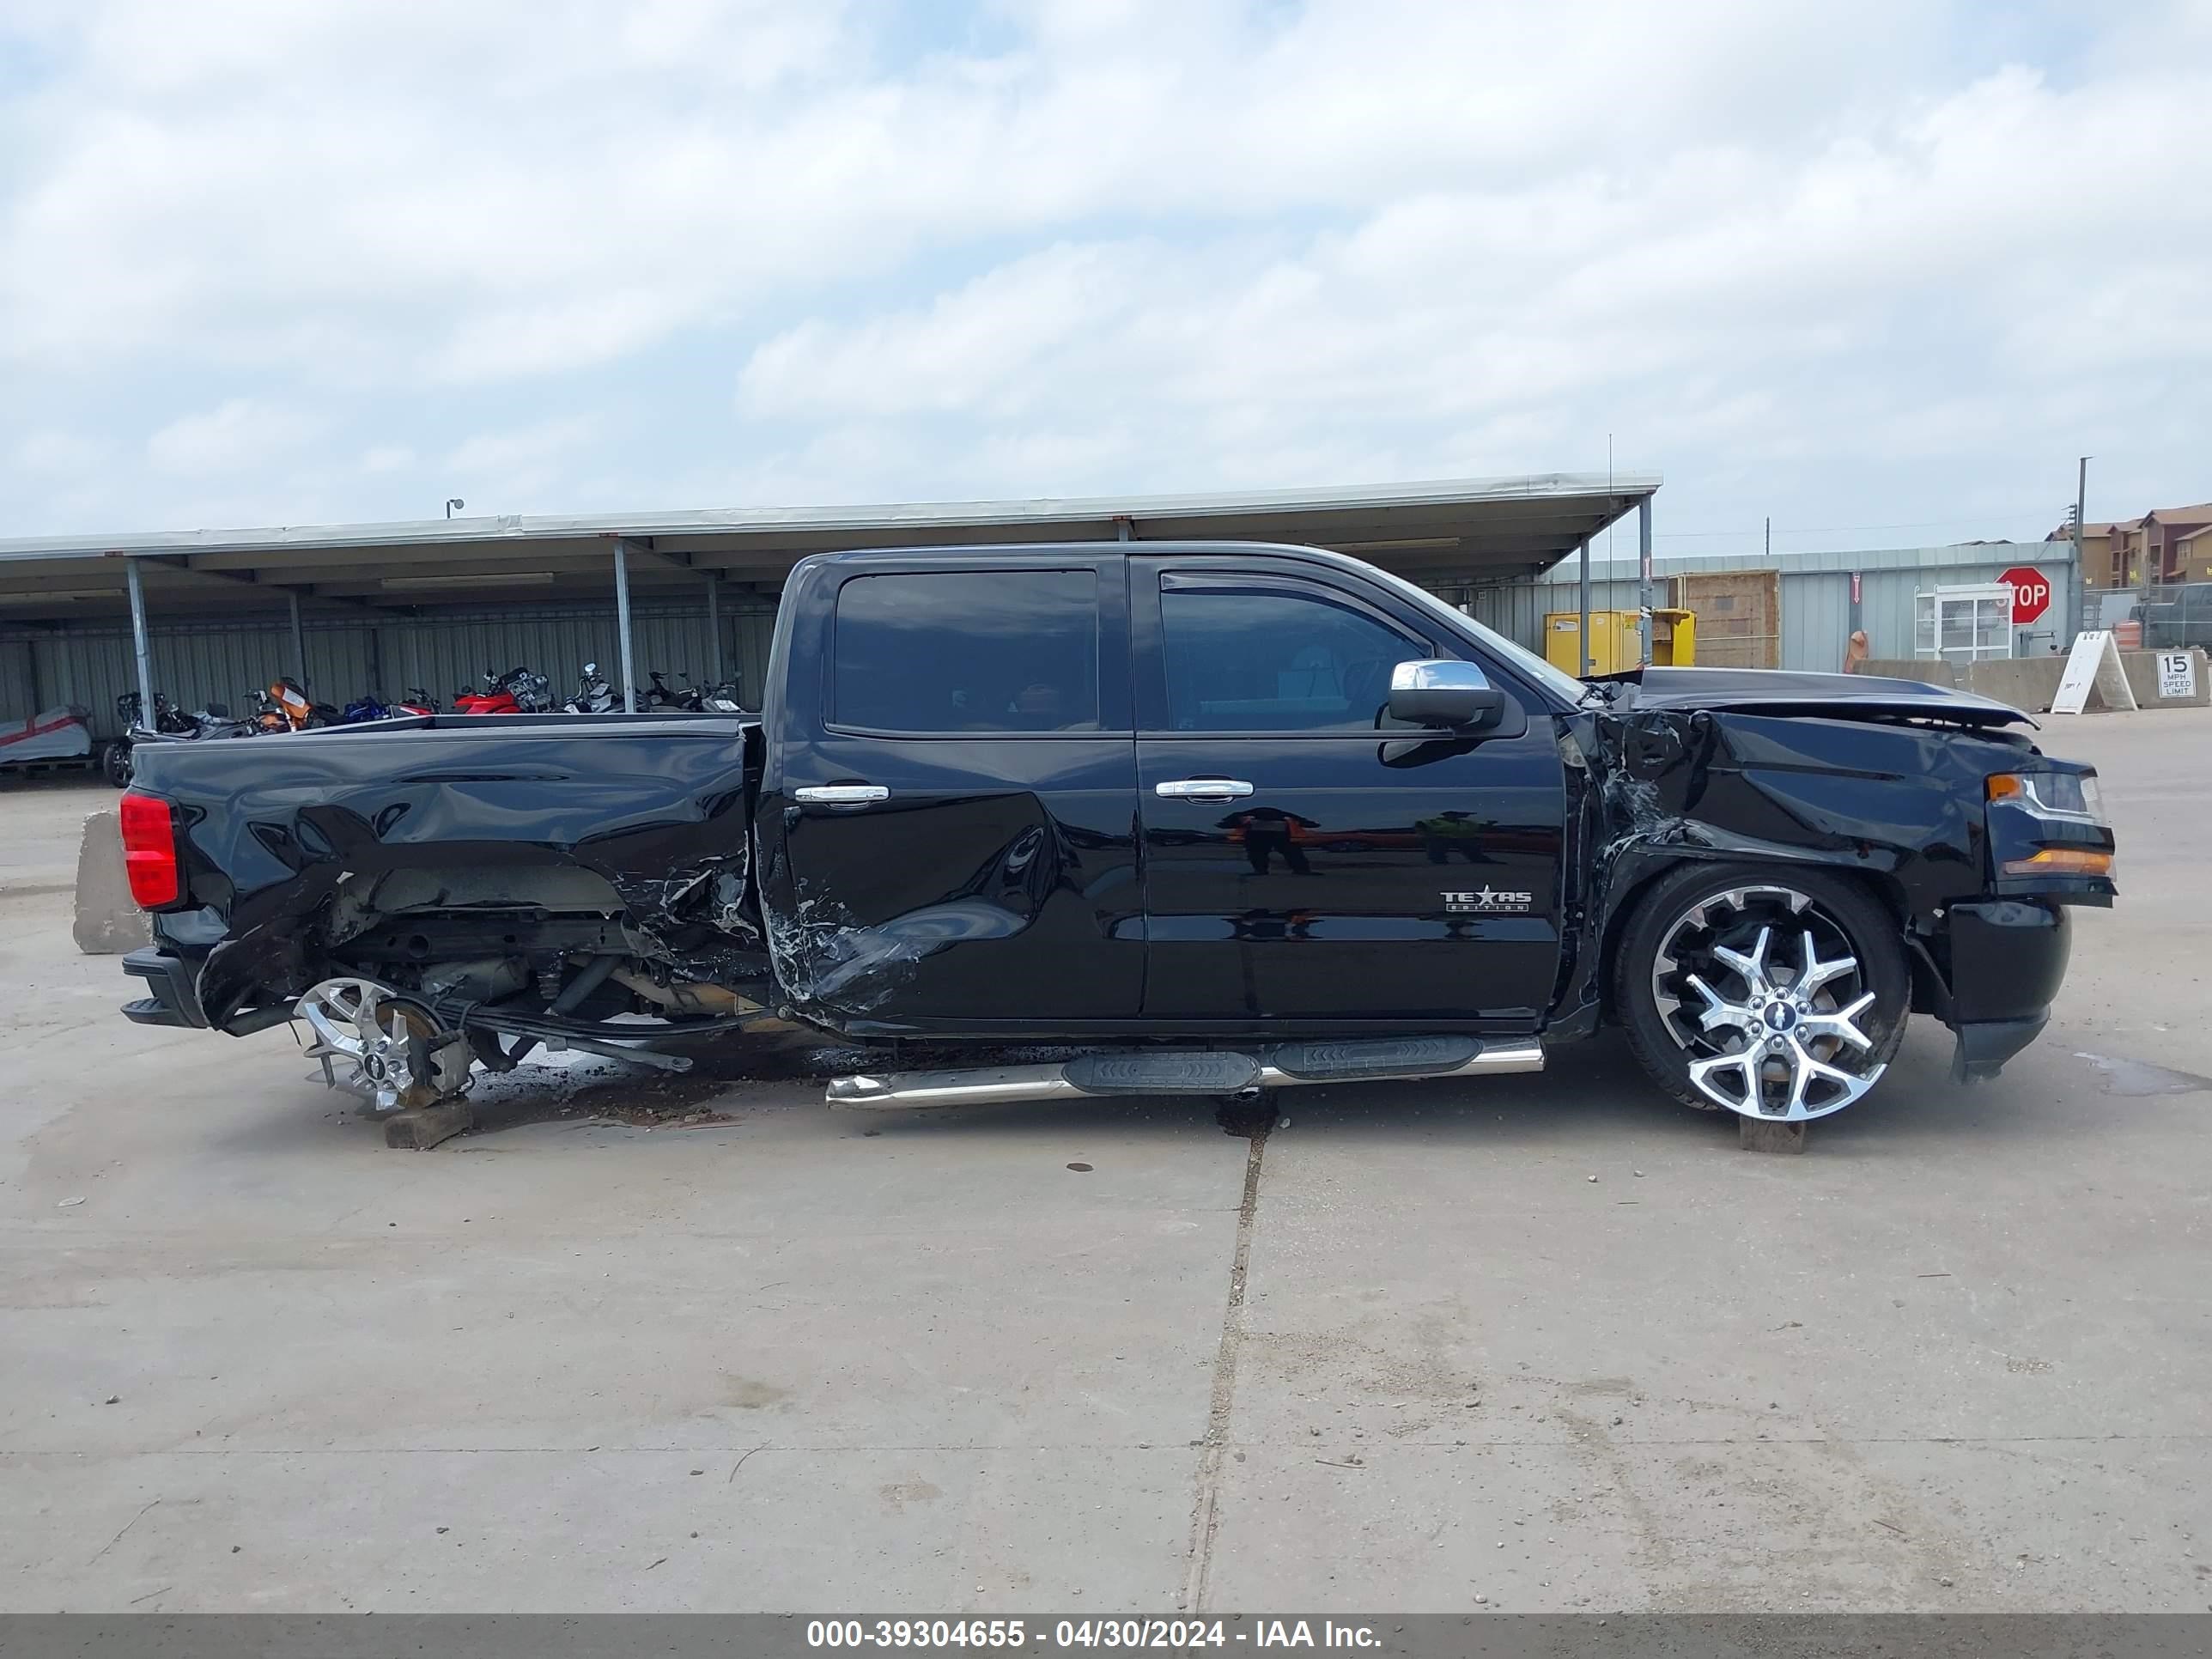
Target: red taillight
<point x="150" y="852"/>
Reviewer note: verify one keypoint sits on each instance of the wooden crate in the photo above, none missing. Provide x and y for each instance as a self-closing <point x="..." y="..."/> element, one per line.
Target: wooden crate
<point x="1739" y="616"/>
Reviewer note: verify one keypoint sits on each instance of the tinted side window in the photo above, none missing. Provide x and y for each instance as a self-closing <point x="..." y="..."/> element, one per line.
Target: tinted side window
<point x="1271" y="661"/>
<point x="968" y="651"/>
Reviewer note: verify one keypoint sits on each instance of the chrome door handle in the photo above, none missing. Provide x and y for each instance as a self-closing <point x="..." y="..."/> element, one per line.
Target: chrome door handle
<point x="840" y="794"/>
<point x="1203" y="789"/>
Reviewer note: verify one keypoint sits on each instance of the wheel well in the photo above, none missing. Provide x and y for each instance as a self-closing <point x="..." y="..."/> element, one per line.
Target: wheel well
<point x="1883" y="887"/>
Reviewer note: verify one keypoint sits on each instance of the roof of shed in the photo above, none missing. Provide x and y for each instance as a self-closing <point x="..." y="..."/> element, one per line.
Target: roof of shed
<point x="1442" y="530"/>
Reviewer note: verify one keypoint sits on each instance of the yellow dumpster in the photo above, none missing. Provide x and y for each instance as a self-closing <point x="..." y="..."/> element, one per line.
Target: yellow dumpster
<point x="1616" y="643"/>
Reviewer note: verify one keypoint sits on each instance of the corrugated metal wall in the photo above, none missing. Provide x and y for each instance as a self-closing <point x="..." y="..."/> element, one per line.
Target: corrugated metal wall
<point x="225" y="662"/>
<point x="1816" y="619"/>
<point x="1816" y="596"/>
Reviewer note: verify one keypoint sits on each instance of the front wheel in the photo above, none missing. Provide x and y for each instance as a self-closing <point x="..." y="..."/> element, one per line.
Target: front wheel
<point x="1781" y="996"/>
<point x="115" y="761"/>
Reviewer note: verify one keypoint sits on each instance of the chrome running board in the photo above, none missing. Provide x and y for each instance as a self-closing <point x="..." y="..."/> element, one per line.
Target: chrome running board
<point x="1203" y="1072"/>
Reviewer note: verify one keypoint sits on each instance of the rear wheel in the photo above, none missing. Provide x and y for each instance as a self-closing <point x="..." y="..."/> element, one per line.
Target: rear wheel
<point x="1780" y="996"/>
<point x="383" y="1040"/>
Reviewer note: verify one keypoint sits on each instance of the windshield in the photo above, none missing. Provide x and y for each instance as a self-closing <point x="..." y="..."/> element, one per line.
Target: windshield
<point x="1557" y="681"/>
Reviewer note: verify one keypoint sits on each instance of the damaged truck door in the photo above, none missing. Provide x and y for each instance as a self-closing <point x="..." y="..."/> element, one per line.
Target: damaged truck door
<point x="953" y="767"/>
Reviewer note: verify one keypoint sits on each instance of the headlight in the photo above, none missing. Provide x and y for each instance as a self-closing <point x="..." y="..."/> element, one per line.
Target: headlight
<point x="2052" y="794"/>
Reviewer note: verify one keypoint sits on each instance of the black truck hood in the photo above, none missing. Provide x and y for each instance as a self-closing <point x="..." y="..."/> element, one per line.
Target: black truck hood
<point x="1785" y="691"/>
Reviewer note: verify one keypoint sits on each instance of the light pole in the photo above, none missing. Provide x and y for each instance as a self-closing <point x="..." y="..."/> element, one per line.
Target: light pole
<point x="453" y="502"/>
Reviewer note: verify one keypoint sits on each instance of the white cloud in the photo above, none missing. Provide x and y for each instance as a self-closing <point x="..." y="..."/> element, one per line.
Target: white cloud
<point x="493" y="452"/>
<point x="528" y="178"/>
<point x="994" y="343"/>
<point x="234" y="436"/>
<point x="57" y="453"/>
<point x="503" y="471"/>
<point x="1793" y="253"/>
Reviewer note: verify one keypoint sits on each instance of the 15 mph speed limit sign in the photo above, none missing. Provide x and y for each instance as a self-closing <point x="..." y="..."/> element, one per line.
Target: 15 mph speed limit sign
<point x="2177" y="677"/>
<point x="2031" y="593"/>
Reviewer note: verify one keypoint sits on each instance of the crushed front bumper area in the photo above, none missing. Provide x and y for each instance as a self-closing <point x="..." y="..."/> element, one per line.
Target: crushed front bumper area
<point x="2008" y="959"/>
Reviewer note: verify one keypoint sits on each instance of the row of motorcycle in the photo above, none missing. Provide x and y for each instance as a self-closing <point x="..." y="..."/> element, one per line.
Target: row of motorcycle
<point x="522" y="691"/>
<point x="284" y="705"/>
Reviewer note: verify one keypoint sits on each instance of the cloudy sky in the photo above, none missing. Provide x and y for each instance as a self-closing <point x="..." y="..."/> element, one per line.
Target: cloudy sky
<point x="1880" y="271"/>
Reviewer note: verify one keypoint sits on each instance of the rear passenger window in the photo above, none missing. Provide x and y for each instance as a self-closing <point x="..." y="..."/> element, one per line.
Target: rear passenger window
<point x="1272" y="661"/>
<point x="968" y="651"/>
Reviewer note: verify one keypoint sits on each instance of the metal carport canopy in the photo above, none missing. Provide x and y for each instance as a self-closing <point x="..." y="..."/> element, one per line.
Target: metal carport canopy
<point x="1438" y="532"/>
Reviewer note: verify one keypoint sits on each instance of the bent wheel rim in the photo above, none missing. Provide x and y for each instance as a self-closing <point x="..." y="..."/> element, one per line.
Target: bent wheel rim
<point x="1763" y="990"/>
<point x="368" y="1030"/>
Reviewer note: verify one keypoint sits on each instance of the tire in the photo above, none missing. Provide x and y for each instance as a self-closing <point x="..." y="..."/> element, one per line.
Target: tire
<point x="1751" y="1040"/>
<point x="115" y="763"/>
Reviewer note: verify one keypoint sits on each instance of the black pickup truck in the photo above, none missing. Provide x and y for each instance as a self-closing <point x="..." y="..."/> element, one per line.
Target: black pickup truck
<point x="1198" y="818"/>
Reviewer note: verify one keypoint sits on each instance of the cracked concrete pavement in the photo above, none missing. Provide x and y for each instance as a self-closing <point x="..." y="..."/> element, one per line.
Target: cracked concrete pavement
<point x="1404" y="1354"/>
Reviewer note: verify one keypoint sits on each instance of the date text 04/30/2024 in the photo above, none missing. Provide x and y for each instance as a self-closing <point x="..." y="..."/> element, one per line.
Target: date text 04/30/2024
<point x="1015" y="1633"/>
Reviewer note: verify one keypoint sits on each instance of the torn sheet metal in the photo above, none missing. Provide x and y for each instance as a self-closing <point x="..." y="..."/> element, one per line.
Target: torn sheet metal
<point x="1649" y="785"/>
<point x="657" y="811"/>
<point x="828" y="956"/>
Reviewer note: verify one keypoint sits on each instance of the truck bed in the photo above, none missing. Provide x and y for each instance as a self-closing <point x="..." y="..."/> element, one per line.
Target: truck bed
<point x="304" y="843"/>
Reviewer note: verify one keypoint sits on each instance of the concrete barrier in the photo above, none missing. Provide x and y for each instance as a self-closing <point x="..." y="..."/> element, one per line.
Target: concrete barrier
<point x="2027" y="682"/>
<point x="107" y="923"/>
<point x="1929" y="670"/>
<point x="2030" y="683"/>
<point x="2141" y="670"/>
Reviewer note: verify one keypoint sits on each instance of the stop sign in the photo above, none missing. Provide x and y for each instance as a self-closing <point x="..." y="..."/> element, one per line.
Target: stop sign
<point x="2031" y="592"/>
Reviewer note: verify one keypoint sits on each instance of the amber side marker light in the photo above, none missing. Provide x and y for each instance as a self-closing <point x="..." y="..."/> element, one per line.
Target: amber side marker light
<point x="149" y="851"/>
<point x="2060" y="862"/>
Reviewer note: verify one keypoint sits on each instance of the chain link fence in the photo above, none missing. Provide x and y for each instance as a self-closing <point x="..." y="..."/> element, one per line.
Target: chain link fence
<point x="2166" y="617"/>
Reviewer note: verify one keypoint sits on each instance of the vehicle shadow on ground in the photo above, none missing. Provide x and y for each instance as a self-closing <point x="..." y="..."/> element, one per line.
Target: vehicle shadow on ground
<point x="1589" y="1091"/>
<point x="1594" y="1090"/>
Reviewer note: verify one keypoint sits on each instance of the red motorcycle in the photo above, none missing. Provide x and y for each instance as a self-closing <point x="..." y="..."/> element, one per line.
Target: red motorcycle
<point x="417" y="701"/>
<point x="518" y="691"/>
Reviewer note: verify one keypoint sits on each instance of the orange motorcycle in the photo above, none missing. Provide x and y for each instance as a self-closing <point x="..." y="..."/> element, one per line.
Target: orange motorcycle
<point x="286" y="706"/>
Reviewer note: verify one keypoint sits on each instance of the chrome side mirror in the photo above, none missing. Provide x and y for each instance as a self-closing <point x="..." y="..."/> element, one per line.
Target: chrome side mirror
<point x="1457" y="695"/>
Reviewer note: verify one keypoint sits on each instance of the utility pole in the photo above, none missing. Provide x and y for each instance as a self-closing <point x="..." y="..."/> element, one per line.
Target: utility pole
<point x="2080" y="502"/>
<point x="1770" y="537"/>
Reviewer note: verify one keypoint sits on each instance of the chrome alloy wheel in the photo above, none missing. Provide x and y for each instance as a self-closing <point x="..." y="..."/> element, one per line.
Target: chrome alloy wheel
<point x="372" y="1030"/>
<point x="1761" y="988"/>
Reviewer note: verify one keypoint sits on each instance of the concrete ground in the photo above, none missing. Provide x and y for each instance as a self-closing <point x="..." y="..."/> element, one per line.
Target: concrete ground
<point x="1535" y="1344"/>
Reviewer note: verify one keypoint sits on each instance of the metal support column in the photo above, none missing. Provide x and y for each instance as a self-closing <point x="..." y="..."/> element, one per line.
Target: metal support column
<point x="2075" y="584"/>
<point x="1644" y="575"/>
<point x="138" y="644"/>
<point x="621" y="621"/>
<point x="299" y="641"/>
<point x="1582" y="582"/>
<point x="714" y="631"/>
